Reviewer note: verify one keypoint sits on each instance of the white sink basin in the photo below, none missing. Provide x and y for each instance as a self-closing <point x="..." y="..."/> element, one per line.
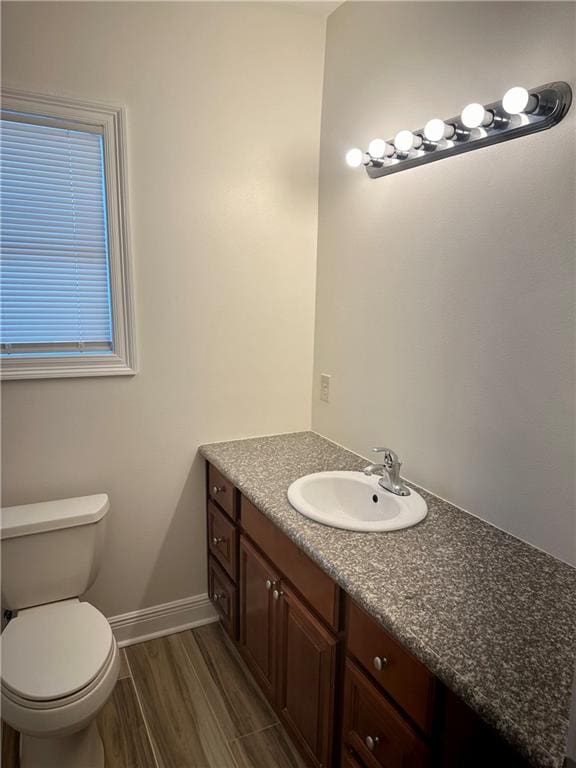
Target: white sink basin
<point x="354" y="501"/>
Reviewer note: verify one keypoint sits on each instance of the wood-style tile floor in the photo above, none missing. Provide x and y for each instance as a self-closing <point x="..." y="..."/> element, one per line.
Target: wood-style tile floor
<point x="186" y="701"/>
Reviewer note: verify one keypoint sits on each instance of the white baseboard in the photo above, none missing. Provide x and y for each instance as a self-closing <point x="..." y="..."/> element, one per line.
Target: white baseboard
<point x="160" y="620"/>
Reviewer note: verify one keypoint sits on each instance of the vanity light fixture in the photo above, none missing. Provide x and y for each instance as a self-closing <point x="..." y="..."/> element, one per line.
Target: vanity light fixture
<point x="520" y="112"/>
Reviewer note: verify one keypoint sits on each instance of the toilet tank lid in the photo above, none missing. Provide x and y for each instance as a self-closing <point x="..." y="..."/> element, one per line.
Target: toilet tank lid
<point x="26" y="519"/>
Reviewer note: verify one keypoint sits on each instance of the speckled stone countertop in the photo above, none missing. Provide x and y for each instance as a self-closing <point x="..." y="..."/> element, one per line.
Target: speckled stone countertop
<point x="492" y="617"/>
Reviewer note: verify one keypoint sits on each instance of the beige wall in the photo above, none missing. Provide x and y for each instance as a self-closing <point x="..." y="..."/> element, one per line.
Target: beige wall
<point x="445" y="307"/>
<point x="223" y="138"/>
<point x="445" y="294"/>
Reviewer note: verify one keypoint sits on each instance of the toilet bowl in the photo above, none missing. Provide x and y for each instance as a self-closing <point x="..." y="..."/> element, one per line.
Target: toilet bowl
<point x="60" y="660"/>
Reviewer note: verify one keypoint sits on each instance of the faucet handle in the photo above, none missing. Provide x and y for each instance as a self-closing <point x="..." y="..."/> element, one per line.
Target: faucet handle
<point x="390" y="458"/>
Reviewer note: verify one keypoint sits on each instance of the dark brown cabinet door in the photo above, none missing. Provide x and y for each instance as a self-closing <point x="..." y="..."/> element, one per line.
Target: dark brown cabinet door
<point x="257" y="613"/>
<point x="306" y="678"/>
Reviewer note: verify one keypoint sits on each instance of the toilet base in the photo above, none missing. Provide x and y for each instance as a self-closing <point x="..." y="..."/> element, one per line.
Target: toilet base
<point x="83" y="748"/>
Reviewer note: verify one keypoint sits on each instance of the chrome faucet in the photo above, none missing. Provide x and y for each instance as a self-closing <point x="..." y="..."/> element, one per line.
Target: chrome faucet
<point x="390" y="471"/>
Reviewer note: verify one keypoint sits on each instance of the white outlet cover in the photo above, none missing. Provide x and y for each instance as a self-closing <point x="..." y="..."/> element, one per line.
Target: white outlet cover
<point x="325" y="387"/>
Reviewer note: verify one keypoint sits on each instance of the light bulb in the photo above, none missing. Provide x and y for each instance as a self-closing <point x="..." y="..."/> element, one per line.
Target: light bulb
<point x="379" y="148"/>
<point x="474" y="116"/>
<point x="517" y="100"/>
<point x="354" y="157"/>
<point x="436" y="130"/>
<point x="404" y="141"/>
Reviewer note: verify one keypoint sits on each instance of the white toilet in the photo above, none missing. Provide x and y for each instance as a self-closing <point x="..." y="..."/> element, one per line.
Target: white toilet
<point x="60" y="661"/>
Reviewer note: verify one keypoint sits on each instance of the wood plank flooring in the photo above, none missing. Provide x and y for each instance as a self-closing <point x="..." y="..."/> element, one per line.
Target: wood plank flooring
<point x="231" y="691"/>
<point x="186" y="701"/>
<point x="123" y="730"/>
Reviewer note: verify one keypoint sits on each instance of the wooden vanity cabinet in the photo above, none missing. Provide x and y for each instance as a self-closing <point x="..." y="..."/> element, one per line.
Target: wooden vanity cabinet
<point x="349" y="693"/>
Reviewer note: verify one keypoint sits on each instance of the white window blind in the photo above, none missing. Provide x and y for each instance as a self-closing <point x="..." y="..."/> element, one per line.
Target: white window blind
<point x="55" y="278"/>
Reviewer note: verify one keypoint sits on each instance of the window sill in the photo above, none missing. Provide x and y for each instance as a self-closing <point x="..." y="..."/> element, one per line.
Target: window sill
<point x="64" y="367"/>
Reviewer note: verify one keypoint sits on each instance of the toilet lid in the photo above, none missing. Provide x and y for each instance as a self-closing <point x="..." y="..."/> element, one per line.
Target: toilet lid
<point x="52" y="651"/>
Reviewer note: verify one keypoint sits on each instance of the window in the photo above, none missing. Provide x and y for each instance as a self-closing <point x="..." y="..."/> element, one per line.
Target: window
<point x="66" y="302"/>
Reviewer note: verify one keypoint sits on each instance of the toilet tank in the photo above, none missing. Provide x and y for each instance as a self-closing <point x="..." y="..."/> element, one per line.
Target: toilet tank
<point x="52" y="550"/>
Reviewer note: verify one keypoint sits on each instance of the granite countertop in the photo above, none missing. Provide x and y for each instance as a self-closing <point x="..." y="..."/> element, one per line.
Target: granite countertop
<point x="491" y="616"/>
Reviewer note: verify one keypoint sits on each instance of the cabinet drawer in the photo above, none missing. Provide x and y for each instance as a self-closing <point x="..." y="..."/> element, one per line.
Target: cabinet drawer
<point x="222" y="540"/>
<point x="222" y="491"/>
<point x="375" y="730"/>
<point x="223" y="594"/>
<point x="309" y="579"/>
<point x="405" y="678"/>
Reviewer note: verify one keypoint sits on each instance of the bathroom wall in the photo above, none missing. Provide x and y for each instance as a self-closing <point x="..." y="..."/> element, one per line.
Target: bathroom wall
<point x="445" y="294"/>
<point x="223" y="138"/>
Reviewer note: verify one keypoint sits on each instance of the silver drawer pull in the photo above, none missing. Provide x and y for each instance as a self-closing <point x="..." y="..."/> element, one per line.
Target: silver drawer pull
<point x="269" y="584"/>
<point x="277" y="594"/>
<point x="217" y="540"/>
<point x="218" y="596"/>
<point x="379" y="662"/>
<point x="371" y="742"/>
<point x="216" y="489"/>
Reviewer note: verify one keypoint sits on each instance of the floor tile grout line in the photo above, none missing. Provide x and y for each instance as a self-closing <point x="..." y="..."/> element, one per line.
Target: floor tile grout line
<point x="146" y="726"/>
<point x="191" y="660"/>
<point x="123" y="651"/>
<point x="197" y="676"/>
<point x="204" y="691"/>
<point x="238" y="656"/>
<point x="253" y="733"/>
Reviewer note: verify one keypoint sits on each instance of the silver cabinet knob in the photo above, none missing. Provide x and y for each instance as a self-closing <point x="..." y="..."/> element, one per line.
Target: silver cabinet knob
<point x="379" y="662"/>
<point x="216" y="489"/>
<point x="277" y="594"/>
<point x="268" y="584"/>
<point x="218" y="596"/>
<point x="371" y="742"/>
<point x="217" y="540"/>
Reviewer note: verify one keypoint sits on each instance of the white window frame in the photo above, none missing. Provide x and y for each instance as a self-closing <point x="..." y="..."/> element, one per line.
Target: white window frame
<point x="112" y="122"/>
